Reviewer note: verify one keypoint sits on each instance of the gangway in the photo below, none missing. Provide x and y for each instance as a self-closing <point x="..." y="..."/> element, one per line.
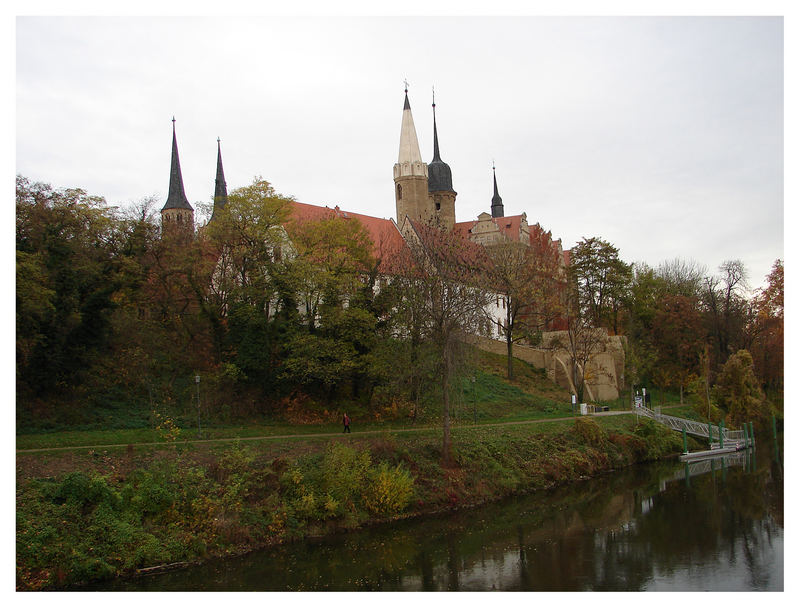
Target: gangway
<point x="730" y="438"/>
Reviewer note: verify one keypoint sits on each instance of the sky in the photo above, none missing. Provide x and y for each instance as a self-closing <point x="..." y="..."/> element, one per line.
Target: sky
<point x="662" y="135"/>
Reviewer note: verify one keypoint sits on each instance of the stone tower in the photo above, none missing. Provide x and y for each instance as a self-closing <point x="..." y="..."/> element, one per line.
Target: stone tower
<point x="440" y="184"/>
<point x="220" y="187"/>
<point x="497" y="201"/>
<point x="411" y="174"/>
<point x="177" y="215"/>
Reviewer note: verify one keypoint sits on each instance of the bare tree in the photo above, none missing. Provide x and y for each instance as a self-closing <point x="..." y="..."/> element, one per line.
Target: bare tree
<point x="441" y="282"/>
<point x="582" y="341"/>
<point x="527" y="278"/>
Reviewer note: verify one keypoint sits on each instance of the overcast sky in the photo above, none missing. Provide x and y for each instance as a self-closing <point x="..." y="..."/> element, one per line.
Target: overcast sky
<point x="661" y="135"/>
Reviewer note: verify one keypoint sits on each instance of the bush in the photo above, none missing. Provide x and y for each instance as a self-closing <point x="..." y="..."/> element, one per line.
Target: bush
<point x="590" y="432"/>
<point x="345" y="472"/>
<point x="84" y="491"/>
<point x="389" y="491"/>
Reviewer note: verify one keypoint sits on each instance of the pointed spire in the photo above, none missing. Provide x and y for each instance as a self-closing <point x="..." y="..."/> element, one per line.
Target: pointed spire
<point x="176" y="199"/>
<point x="220" y="187"/>
<point x="497" y="201"/>
<point x="440" y="177"/>
<point x="409" y="145"/>
<point x="435" y="133"/>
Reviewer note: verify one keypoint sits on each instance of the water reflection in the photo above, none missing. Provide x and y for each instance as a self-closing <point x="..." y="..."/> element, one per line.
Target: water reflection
<point x="716" y="526"/>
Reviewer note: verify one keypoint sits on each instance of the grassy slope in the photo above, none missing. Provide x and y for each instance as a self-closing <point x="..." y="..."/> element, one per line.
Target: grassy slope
<point x="530" y="396"/>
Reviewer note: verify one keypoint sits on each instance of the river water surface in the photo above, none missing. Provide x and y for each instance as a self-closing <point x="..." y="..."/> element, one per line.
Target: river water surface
<point x="647" y="528"/>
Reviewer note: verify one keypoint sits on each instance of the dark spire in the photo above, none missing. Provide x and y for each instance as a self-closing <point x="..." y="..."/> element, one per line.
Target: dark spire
<point x="435" y="134"/>
<point x="176" y="199"/>
<point x="440" y="178"/>
<point x="220" y="187"/>
<point x="497" y="201"/>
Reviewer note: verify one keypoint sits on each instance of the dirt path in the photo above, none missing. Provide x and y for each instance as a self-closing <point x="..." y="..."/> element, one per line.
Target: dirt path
<point x="307" y="435"/>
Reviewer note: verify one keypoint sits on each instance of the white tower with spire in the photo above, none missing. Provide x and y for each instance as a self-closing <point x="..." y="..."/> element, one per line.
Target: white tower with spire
<point x="411" y="174"/>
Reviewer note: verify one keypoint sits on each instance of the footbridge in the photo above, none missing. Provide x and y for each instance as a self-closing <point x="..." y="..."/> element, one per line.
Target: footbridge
<point x="730" y="438"/>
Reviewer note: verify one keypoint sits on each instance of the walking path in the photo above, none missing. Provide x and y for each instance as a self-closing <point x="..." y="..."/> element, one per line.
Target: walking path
<point x="313" y="435"/>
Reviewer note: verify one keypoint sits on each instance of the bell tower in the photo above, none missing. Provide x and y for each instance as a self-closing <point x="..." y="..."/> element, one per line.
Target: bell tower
<point x="440" y="184"/>
<point x="411" y="174"/>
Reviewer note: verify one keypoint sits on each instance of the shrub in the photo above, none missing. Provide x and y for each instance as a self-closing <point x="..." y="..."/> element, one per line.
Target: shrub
<point x="345" y="472"/>
<point x="84" y="491"/>
<point x="590" y="432"/>
<point x="389" y="491"/>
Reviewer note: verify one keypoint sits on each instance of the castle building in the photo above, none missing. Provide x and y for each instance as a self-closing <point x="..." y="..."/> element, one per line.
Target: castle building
<point x="423" y="193"/>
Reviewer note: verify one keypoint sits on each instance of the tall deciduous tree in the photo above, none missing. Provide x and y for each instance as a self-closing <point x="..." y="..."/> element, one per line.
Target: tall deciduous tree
<point x="443" y="278"/>
<point x="738" y="392"/>
<point x="678" y="337"/>
<point x="71" y="266"/>
<point x="527" y="277"/>
<point x="602" y="280"/>
<point x="726" y="306"/>
<point x="767" y="331"/>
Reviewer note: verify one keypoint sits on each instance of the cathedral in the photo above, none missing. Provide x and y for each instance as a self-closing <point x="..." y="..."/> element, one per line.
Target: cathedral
<point x="424" y="193"/>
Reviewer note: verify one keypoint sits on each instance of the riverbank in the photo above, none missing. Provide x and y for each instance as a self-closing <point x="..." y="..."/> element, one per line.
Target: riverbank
<point x="89" y="516"/>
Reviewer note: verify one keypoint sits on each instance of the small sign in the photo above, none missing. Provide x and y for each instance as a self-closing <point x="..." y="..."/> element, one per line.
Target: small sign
<point x="197" y="379"/>
<point x="638" y="401"/>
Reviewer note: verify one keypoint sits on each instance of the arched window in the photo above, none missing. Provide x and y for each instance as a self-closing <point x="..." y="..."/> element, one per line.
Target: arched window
<point x="399" y="191"/>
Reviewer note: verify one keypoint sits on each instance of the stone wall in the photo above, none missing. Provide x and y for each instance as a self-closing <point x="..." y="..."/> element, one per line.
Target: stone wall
<point x="605" y="373"/>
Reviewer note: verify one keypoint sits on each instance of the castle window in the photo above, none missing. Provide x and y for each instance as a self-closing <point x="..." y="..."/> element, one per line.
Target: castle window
<point x="438" y="206"/>
<point x="399" y="191"/>
<point x="180" y="218"/>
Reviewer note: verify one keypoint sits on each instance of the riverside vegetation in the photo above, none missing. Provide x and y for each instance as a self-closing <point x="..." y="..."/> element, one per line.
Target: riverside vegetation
<point x="133" y="509"/>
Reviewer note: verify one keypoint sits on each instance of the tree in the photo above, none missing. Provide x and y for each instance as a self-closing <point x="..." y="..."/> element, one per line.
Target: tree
<point x="582" y="341"/>
<point x="726" y="307"/>
<point x="678" y="337"/>
<point x="334" y="257"/>
<point x="527" y="278"/>
<point x="441" y="279"/>
<point x="738" y="392"/>
<point x="767" y="331"/>
<point x="681" y="277"/>
<point x="71" y="267"/>
<point x="602" y="279"/>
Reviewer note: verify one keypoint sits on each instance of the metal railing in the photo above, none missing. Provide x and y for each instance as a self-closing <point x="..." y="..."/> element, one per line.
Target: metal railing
<point x="730" y="438"/>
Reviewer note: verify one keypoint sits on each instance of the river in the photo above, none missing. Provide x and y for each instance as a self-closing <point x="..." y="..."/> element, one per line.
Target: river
<point x="646" y="528"/>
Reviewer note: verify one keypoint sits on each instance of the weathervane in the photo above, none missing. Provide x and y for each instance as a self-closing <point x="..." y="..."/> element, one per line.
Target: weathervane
<point x="405" y="82"/>
<point x="433" y="95"/>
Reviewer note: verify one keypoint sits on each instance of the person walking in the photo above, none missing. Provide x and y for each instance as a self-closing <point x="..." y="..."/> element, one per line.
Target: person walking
<point x="346" y="422"/>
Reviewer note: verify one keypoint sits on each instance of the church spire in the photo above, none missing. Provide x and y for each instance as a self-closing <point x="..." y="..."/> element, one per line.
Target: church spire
<point x="440" y="178"/>
<point x="220" y="187"/>
<point x="409" y="145"/>
<point x="176" y="199"/>
<point x="410" y="173"/>
<point x="435" y="134"/>
<point x="497" y="201"/>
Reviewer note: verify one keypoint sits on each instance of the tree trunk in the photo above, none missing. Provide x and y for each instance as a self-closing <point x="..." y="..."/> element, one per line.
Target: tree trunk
<point x="446" y="404"/>
<point x="510" y="349"/>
